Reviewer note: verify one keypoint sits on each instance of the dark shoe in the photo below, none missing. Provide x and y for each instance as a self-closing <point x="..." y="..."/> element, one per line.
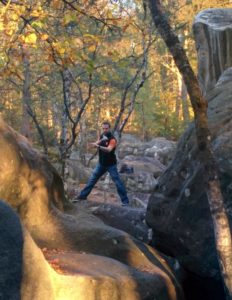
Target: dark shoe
<point x="125" y="204"/>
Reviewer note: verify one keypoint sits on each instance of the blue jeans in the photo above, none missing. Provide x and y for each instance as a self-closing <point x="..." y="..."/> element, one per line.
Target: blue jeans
<point x="97" y="173"/>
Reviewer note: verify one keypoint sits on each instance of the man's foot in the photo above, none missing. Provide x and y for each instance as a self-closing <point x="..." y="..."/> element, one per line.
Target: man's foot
<point x="125" y="204"/>
<point x="79" y="198"/>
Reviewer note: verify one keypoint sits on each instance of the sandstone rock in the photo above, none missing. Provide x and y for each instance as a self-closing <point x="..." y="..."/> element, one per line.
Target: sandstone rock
<point x="213" y="35"/>
<point x="26" y="275"/>
<point x="143" y="164"/>
<point x="142" y="182"/>
<point x="178" y="210"/>
<point x="76" y="170"/>
<point x="130" y="145"/>
<point x="34" y="189"/>
<point x="27" y="179"/>
<point x="161" y="149"/>
<point x="128" y="219"/>
<point x="11" y="253"/>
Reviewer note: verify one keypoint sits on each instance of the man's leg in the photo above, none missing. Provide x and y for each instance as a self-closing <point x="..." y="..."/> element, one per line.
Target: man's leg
<point x="119" y="184"/>
<point x="97" y="173"/>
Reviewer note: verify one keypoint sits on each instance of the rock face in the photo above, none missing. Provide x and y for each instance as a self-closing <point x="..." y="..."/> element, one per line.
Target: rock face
<point x="101" y="262"/>
<point x="141" y="163"/>
<point x="158" y="148"/>
<point x="11" y="253"/>
<point x="178" y="210"/>
<point x="27" y="179"/>
<point x="213" y="32"/>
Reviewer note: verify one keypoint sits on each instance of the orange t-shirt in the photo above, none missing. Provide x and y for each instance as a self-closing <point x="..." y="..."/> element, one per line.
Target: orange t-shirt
<point x="112" y="143"/>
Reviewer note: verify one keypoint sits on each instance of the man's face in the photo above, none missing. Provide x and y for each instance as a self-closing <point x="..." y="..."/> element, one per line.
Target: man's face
<point x="105" y="128"/>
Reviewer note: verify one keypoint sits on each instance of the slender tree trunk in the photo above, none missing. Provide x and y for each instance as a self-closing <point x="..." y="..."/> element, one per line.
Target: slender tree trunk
<point x="27" y="109"/>
<point x="26" y="102"/>
<point x="82" y="141"/>
<point x="64" y="138"/>
<point x="26" y="97"/>
<point x="143" y="122"/>
<point x="199" y="104"/>
<point x="178" y="100"/>
<point x="184" y="99"/>
<point x="55" y="119"/>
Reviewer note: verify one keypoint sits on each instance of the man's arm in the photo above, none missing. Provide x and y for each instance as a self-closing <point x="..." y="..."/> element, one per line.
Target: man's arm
<point x="109" y="148"/>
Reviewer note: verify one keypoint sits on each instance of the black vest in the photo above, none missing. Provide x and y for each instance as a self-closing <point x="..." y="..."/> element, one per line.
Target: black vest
<point x="107" y="159"/>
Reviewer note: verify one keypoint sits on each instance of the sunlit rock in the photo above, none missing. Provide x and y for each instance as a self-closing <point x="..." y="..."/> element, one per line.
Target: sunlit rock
<point x="100" y="262"/>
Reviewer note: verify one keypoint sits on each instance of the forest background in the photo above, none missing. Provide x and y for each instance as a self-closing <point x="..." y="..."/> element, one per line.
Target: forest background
<point x="67" y="65"/>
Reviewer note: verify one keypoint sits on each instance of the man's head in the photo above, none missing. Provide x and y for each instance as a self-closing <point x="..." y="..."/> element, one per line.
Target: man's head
<point x="105" y="126"/>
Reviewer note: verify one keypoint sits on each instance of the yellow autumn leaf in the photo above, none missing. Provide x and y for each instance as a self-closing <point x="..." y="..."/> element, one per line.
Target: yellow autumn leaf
<point x="60" y="49"/>
<point x="35" y="13"/>
<point x="9" y="32"/>
<point x="31" y="38"/>
<point x="14" y="16"/>
<point x="92" y="48"/>
<point x="44" y="37"/>
<point x="1" y="26"/>
<point x="78" y="42"/>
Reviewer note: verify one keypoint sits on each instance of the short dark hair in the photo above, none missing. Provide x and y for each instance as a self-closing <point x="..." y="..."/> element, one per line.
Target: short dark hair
<point x="106" y="123"/>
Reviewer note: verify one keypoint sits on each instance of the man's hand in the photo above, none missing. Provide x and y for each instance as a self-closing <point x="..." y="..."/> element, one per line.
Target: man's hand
<point x="95" y="145"/>
<point x="107" y="149"/>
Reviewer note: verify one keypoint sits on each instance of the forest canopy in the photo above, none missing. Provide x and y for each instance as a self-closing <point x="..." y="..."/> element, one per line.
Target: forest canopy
<point x="67" y="65"/>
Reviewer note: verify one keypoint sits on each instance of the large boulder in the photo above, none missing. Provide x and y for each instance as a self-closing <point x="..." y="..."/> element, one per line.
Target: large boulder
<point x="26" y="275"/>
<point x="178" y="210"/>
<point x="159" y="148"/>
<point x="162" y="149"/>
<point x="11" y="253"/>
<point x="142" y="164"/>
<point x="139" y="175"/>
<point x="105" y="263"/>
<point x="130" y="145"/>
<point x="213" y="32"/>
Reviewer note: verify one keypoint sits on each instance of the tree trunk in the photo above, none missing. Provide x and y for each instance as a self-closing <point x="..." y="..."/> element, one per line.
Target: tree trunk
<point x="27" y="110"/>
<point x="55" y="120"/>
<point x="64" y="138"/>
<point x="26" y="98"/>
<point x="182" y="109"/>
<point x="199" y="104"/>
<point x="184" y="99"/>
<point x="178" y="99"/>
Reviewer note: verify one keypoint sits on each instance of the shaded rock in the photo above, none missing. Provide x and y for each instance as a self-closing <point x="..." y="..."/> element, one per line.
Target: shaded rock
<point x="34" y="189"/>
<point x="178" y="210"/>
<point x="77" y="171"/>
<point x="130" y="220"/>
<point x="11" y="253"/>
<point x="138" y="174"/>
<point x="139" y="182"/>
<point x="143" y="164"/>
<point x="213" y="35"/>
<point x="162" y="150"/>
<point x="82" y="276"/>
<point x="159" y="148"/>
<point x="143" y="177"/>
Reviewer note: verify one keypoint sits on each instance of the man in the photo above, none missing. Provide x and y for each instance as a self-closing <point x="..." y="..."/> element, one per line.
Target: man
<point x="107" y="163"/>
